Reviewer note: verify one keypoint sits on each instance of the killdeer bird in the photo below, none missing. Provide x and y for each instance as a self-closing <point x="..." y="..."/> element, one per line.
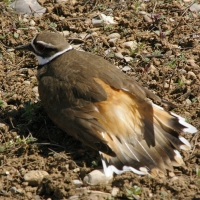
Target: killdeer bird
<point x="92" y="100"/>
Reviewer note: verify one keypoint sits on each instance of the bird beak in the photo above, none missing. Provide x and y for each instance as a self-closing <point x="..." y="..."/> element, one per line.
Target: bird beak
<point x="26" y="47"/>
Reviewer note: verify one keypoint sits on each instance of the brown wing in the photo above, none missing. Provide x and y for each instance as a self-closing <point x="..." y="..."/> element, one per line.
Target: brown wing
<point x="108" y="111"/>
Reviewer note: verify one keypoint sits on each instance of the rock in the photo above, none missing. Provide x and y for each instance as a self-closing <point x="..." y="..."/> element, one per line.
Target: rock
<point x="191" y="62"/>
<point x="128" y="59"/>
<point x="96" y="177"/>
<point x="126" y="68"/>
<point x="34" y="177"/>
<point x="147" y="19"/>
<point x="28" y="7"/>
<point x="119" y="55"/>
<point x="195" y="7"/>
<point x="188" y="102"/>
<point x="37" y="197"/>
<point x="151" y="69"/>
<point x="182" y="71"/>
<point x="166" y="85"/>
<point x="114" y="191"/>
<point x="35" y="90"/>
<point x="112" y="41"/>
<point x="32" y="23"/>
<point x="76" y="169"/>
<point x="114" y="35"/>
<point x="130" y="45"/>
<point x="97" y="22"/>
<point x="191" y="75"/>
<point x="27" y="82"/>
<point x="65" y="33"/>
<point x="77" y="183"/>
<point x="109" y="20"/>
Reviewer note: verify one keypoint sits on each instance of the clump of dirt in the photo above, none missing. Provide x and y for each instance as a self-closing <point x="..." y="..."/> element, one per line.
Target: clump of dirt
<point x="165" y="60"/>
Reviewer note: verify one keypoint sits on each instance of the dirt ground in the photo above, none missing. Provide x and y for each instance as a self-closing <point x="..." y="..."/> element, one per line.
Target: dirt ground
<point x="166" y="61"/>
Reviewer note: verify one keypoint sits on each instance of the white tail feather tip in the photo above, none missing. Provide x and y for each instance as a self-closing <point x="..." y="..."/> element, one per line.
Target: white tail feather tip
<point x="187" y="145"/>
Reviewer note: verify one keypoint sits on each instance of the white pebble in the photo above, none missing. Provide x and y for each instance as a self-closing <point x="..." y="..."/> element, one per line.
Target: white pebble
<point x="114" y="35"/>
<point x="95" y="177"/>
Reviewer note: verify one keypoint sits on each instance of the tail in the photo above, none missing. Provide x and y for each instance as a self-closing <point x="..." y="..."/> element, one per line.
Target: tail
<point x="156" y="152"/>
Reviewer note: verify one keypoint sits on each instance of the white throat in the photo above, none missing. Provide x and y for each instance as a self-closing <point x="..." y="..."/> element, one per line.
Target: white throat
<point x="43" y="61"/>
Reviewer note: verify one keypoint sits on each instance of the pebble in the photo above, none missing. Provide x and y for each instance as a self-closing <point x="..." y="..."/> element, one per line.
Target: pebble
<point x="88" y="22"/>
<point x="34" y="177"/>
<point x="77" y="183"/>
<point x="32" y="23"/>
<point x="112" y="41"/>
<point x="152" y="69"/>
<point x="114" y="191"/>
<point x="191" y="62"/>
<point x="126" y="68"/>
<point x="96" y="177"/>
<point x="37" y="197"/>
<point x="95" y="34"/>
<point x="119" y="55"/>
<point x="97" y="22"/>
<point x="188" y="102"/>
<point x="65" y="33"/>
<point x="191" y="75"/>
<point x="25" y="20"/>
<point x="35" y="90"/>
<point x="130" y="44"/>
<point x="27" y="82"/>
<point x="182" y="71"/>
<point x="166" y="85"/>
<point x="114" y="35"/>
<point x="147" y="19"/>
<point x="128" y="59"/>
<point x="76" y="170"/>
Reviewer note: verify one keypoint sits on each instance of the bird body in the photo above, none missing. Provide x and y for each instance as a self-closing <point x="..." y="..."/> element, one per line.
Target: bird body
<point x="90" y="99"/>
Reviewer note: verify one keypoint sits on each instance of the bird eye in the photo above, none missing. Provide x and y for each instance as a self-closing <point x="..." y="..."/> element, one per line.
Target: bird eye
<point x="40" y="47"/>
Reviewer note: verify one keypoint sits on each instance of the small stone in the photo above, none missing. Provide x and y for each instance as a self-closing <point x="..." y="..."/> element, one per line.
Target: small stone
<point x="96" y="177"/>
<point x="182" y="71"/>
<point x="166" y="85"/>
<point x="88" y="22"/>
<point x="191" y="62"/>
<point x="119" y="55"/>
<point x="188" y="82"/>
<point x="114" y="191"/>
<point x="130" y="45"/>
<point x="77" y="183"/>
<point x="112" y="41"/>
<point x="27" y="82"/>
<point x="34" y="177"/>
<point x="25" y="20"/>
<point x="151" y="69"/>
<point x="32" y="23"/>
<point x="126" y="68"/>
<point x="97" y="22"/>
<point x="114" y="35"/>
<point x="94" y="34"/>
<point x="37" y="197"/>
<point x="65" y="33"/>
<point x="13" y="190"/>
<point x="128" y="59"/>
<point x="191" y="75"/>
<point x="76" y="169"/>
<point x="188" y="102"/>
<point x="171" y="174"/>
<point x="147" y="19"/>
<point x="35" y="90"/>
